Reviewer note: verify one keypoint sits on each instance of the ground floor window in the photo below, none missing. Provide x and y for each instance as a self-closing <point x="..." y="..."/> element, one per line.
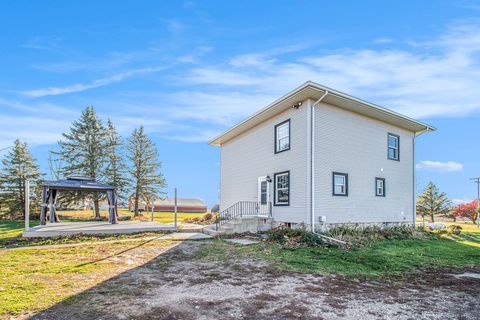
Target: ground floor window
<point x="380" y="187"/>
<point x="282" y="188"/>
<point x="340" y="184"/>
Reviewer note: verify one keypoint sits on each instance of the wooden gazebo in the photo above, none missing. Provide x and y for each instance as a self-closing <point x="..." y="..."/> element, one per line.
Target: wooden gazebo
<point x="50" y="190"/>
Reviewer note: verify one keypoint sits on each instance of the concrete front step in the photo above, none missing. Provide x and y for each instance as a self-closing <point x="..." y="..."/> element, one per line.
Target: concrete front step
<point x="210" y="230"/>
<point x="244" y="224"/>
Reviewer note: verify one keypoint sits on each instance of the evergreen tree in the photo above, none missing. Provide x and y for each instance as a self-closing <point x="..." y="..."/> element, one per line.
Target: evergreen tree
<point x="115" y="172"/>
<point x="18" y="166"/>
<point x="83" y="149"/>
<point x="147" y="180"/>
<point x="432" y="202"/>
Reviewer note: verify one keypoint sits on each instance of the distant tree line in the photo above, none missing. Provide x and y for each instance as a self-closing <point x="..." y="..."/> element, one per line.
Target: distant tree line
<point x="432" y="203"/>
<point x="88" y="148"/>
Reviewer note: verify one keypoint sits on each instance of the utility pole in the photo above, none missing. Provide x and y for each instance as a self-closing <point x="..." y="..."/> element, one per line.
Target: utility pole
<point x="477" y="181"/>
<point x="27" y="205"/>
<point x="175" y="210"/>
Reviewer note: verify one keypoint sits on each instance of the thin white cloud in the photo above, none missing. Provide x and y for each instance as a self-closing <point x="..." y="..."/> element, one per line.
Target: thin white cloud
<point x="437" y="77"/>
<point x="458" y="201"/>
<point x="54" y="91"/>
<point x="33" y="130"/>
<point x="198" y="135"/>
<point x="49" y="43"/>
<point x="109" y="61"/>
<point x="176" y="27"/>
<point x="439" y="166"/>
<point x="218" y="108"/>
<point x="382" y="41"/>
<point x="37" y="108"/>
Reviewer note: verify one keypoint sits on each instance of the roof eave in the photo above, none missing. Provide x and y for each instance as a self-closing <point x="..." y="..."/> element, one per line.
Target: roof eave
<point x="420" y="126"/>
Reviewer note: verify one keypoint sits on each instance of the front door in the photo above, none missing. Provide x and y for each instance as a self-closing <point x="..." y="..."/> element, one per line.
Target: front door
<point x="263" y="196"/>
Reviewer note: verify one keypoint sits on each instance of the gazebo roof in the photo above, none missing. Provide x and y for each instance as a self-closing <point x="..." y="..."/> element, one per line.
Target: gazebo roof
<point x="77" y="183"/>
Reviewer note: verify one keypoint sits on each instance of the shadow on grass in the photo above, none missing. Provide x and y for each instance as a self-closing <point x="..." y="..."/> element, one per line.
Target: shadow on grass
<point x="116" y="254"/>
<point x="472" y="237"/>
<point x="103" y="300"/>
<point x="153" y="291"/>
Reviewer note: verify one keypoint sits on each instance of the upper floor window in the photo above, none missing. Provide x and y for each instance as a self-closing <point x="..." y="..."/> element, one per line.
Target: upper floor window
<point x="393" y="147"/>
<point x="282" y="188"/>
<point x="340" y="184"/>
<point x="282" y="136"/>
<point x="380" y="187"/>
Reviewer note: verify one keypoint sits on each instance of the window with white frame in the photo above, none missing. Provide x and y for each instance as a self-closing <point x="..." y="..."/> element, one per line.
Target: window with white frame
<point x="340" y="184"/>
<point x="380" y="187"/>
<point x="282" y="188"/>
<point x="282" y="136"/>
<point x="393" y="147"/>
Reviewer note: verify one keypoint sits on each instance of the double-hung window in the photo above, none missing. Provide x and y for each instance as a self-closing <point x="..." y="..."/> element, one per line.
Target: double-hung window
<point x="380" y="187"/>
<point x="282" y="188"/>
<point x="282" y="136"/>
<point x="340" y="184"/>
<point x="393" y="147"/>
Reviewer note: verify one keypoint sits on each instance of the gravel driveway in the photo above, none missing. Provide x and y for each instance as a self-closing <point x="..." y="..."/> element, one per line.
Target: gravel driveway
<point x="179" y="285"/>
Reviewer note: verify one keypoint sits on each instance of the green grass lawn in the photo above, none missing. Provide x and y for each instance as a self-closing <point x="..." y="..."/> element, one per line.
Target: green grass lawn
<point x="12" y="229"/>
<point x="381" y="258"/>
<point x="35" y="279"/>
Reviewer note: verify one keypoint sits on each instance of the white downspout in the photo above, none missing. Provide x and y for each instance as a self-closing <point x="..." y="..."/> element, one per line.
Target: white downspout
<point x="414" y="182"/>
<point x="415" y="135"/>
<point x="312" y="172"/>
<point x="312" y="160"/>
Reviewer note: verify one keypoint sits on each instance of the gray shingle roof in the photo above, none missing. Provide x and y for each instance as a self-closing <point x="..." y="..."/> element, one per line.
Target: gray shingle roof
<point x="78" y="183"/>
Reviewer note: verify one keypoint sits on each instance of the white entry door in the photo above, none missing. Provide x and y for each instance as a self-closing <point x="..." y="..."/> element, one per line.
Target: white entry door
<point x="263" y="196"/>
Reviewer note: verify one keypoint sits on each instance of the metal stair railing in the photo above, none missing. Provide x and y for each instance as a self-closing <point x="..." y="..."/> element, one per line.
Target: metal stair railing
<point x="241" y="209"/>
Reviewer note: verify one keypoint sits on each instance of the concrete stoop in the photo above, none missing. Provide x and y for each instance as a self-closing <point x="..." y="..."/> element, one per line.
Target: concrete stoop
<point x="251" y="224"/>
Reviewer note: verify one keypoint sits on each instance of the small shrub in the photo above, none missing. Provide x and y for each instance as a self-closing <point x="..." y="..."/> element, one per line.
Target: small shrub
<point x="277" y="235"/>
<point x="455" y="229"/>
<point x="293" y="238"/>
<point x="357" y="236"/>
<point x="441" y="231"/>
<point x="207" y="218"/>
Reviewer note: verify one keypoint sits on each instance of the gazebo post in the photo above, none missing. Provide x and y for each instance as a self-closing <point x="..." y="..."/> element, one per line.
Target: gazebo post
<point x="112" y="211"/>
<point x="43" y="210"/>
<point x="51" y="207"/>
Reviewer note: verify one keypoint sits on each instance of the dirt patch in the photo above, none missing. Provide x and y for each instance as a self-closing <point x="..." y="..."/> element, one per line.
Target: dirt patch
<point x="179" y="285"/>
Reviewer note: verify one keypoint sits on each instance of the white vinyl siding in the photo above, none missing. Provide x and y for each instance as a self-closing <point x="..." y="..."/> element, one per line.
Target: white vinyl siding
<point x="345" y="142"/>
<point x="250" y="155"/>
<point x="354" y="144"/>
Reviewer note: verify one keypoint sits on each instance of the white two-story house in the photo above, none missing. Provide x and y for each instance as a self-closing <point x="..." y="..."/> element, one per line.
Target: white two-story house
<point x="318" y="157"/>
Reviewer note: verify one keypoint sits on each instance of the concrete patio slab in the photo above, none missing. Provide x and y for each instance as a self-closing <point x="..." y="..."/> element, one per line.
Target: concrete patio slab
<point x="94" y="227"/>
<point x="181" y="236"/>
<point x="244" y="242"/>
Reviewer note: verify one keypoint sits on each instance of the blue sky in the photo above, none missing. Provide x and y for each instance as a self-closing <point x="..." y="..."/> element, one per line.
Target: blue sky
<point x="188" y="70"/>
